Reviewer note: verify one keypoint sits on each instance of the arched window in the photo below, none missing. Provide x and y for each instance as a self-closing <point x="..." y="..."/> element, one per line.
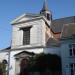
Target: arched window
<point x="5" y="61"/>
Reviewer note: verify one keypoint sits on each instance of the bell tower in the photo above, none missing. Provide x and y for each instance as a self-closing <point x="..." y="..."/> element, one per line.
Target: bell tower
<point x="45" y="11"/>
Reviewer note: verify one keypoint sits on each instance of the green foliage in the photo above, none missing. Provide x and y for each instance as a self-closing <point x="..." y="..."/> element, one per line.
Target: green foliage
<point x="2" y="69"/>
<point x="42" y="62"/>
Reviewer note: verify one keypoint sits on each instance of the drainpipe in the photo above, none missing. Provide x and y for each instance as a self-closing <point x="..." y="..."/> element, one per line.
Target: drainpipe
<point x="8" y="62"/>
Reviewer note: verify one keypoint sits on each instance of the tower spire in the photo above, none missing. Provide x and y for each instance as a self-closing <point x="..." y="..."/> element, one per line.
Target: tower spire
<point x="45" y="11"/>
<point x="45" y="6"/>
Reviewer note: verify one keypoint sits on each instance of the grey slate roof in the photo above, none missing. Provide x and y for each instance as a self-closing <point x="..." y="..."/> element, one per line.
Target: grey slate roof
<point x="45" y="6"/>
<point x="68" y="30"/>
<point x="5" y="49"/>
<point x="57" y="24"/>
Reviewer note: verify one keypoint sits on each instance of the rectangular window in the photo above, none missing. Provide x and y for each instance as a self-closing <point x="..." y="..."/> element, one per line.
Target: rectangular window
<point x="72" y="69"/>
<point x="72" y="49"/>
<point x="48" y="16"/>
<point x="26" y="36"/>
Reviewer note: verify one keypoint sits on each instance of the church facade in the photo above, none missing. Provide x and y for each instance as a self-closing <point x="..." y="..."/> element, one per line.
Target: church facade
<point x="40" y="33"/>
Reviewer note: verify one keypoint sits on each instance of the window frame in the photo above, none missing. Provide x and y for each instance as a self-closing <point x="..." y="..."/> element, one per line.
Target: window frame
<point x="26" y="35"/>
<point x="72" y="68"/>
<point x="72" y="49"/>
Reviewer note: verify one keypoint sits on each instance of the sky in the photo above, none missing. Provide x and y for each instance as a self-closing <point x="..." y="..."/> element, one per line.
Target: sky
<point x="10" y="9"/>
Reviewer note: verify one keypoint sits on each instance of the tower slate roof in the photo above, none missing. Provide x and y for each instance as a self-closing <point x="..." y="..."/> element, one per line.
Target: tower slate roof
<point x="45" y="6"/>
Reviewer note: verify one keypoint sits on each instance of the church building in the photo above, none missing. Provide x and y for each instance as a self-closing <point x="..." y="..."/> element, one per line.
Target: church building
<point x="40" y="33"/>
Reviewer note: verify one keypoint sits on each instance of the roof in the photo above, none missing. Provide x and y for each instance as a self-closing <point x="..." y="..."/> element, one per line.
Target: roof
<point x="45" y="6"/>
<point x="52" y="43"/>
<point x="25" y="15"/>
<point x="57" y="24"/>
<point x="5" y="49"/>
<point x="68" y="30"/>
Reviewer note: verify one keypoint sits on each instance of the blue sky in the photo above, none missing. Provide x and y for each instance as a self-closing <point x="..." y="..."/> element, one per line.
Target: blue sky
<point x="10" y="9"/>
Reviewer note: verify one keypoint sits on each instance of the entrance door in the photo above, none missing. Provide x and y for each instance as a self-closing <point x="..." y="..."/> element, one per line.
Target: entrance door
<point x="24" y="67"/>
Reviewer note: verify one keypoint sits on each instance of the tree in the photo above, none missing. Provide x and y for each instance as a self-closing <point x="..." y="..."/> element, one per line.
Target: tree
<point x="42" y="62"/>
<point x="2" y="69"/>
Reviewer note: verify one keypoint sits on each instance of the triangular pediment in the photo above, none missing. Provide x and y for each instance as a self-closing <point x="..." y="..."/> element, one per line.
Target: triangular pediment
<point x="24" y="18"/>
<point x="24" y="54"/>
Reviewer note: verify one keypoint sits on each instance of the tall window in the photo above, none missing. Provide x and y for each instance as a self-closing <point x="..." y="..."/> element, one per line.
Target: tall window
<point x="26" y="36"/>
<point x="48" y="16"/>
<point x="72" y="69"/>
<point x="72" y="49"/>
